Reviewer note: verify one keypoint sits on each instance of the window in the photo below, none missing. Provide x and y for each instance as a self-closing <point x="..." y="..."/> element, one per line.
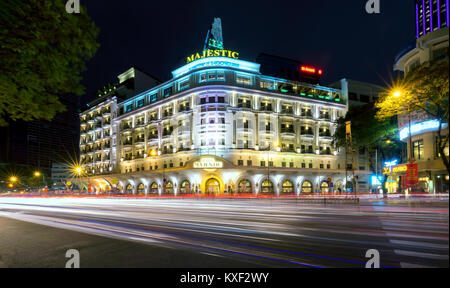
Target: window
<point x="267" y="84"/>
<point x="364" y="98"/>
<point x="140" y="103"/>
<point x="128" y="108"/>
<point x="418" y="149"/>
<point x="240" y="162"/>
<point x="243" y="79"/>
<point x="153" y="98"/>
<point x="352" y="96"/>
<point x="307" y="187"/>
<point x="267" y="187"/>
<point x="303" y="165"/>
<point x="263" y="163"/>
<point x="167" y="92"/>
<point x="249" y="163"/>
<point x="184" y="85"/>
<point x="287" y="187"/>
<point x="310" y="166"/>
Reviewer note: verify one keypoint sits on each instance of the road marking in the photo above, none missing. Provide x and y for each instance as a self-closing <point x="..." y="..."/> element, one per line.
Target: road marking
<point x="412" y="265"/>
<point x="421" y="254"/>
<point x="420" y="244"/>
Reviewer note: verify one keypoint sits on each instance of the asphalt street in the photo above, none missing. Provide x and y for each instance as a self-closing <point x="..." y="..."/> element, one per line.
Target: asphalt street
<point x="230" y="233"/>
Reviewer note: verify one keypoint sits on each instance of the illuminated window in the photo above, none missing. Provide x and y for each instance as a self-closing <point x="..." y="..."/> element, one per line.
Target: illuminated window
<point x="154" y="188"/>
<point x="418" y="149"/>
<point x="141" y="189"/>
<point x="324" y="187"/>
<point x="267" y="187"/>
<point x="245" y="186"/>
<point x="168" y="189"/>
<point x="306" y="187"/>
<point x="287" y="187"/>
<point x="185" y="187"/>
<point x="240" y="79"/>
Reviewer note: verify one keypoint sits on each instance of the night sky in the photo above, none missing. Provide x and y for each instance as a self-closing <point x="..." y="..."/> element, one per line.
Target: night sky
<point x="338" y="36"/>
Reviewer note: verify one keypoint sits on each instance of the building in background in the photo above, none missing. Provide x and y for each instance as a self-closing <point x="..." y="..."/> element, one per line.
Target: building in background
<point x="37" y="144"/>
<point x="361" y="93"/>
<point x="432" y="44"/>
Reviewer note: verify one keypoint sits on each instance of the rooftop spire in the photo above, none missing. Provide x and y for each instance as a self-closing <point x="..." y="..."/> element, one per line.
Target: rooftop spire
<point x="214" y="39"/>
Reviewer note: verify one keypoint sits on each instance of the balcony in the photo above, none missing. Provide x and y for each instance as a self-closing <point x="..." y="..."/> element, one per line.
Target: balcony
<point x="139" y="140"/>
<point x="266" y="108"/>
<point x="324" y="117"/>
<point x="325" y="152"/>
<point x="287" y="111"/>
<point x="184" y="108"/>
<point x="106" y="110"/>
<point x="153" y="137"/>
<point x="127" y="143"/>
<point x="126" y="127"/>
<point x="140" y="123"/>
<point x="167" y="114"/>
<point x="307" y="115"/>
<point x="245" y="105"/>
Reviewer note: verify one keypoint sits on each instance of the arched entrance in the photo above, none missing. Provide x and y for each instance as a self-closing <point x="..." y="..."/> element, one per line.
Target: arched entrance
<point x="245" y="186"/>
<point x="141" y="189"/>
<point x="185" y="187"/>
<point x="267" y="187"/>
<point x="169" y="188"/>
<point x="287" y="187"/>
<point x="324" y="187"/>
<point x="153" y="189"/>
<point x="306" y="187"/>
<point x="129" y="189"/>
<point x="212" y="187"/>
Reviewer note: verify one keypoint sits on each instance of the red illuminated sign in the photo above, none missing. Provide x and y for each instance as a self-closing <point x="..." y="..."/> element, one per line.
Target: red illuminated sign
<point x="311" y="70"/>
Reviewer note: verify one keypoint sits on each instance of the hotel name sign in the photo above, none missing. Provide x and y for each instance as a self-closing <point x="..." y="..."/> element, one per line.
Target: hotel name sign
<point x="213" y="53"/>
<point x="208" y="163"/>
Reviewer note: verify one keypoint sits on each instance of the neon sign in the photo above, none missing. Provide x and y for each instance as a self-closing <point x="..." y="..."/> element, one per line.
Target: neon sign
<point x="417" y="128"/>
<point x="208" y="163"/>
<point x="390" y="163"/>
<point x="311" y="70"/>
<point x="212" y="53"/>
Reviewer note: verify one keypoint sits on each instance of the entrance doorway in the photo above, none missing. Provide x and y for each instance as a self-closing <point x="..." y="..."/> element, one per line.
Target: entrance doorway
<point x="212" y="187"/>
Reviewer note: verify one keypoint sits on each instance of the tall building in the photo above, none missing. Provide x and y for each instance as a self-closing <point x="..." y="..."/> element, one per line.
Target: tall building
<point x="431" y="15"/>
<point x="219" y="126"/>
<point x="37" y="144"/>
<point x="432" y="44"/>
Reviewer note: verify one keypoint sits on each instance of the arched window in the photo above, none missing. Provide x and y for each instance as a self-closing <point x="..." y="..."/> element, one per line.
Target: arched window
<point x="306" y="187"/>
<point x="169" y="188"/>
<point x="287" y="187"/>
<point x="154" y="188"/>
<point x="245" y="186"/>
<point x="267" y="187"/>
<point x="129" y="189"/>
<point x="141" y="189"/>
<point x="185" y="187"/>
<point x="324" y="187"/>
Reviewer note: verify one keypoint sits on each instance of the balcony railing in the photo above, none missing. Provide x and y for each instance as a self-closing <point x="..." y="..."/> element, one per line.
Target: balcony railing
<point x="325" y="134"/>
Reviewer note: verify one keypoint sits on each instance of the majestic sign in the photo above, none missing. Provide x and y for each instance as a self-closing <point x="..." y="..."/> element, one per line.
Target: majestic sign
<point x="208" y="163"/>
<point x="213" y="53"/>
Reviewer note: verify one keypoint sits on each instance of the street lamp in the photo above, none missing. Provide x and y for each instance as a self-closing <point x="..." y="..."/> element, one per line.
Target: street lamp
<point x="13" y="179"/>
<point x="275" y="145"/>
<point x="397" y="93"/>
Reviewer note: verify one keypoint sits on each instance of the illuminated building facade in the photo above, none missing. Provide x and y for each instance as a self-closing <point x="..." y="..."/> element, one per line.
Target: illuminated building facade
<point x="219" y="126"/>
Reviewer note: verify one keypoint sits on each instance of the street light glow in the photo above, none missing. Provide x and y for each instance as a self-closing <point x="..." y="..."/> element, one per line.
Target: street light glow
<point x="13" y="179"/>
<point x="37" y="174"/>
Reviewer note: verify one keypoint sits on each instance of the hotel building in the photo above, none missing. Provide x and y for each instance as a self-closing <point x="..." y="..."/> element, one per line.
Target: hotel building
<point x="217" y="127"/>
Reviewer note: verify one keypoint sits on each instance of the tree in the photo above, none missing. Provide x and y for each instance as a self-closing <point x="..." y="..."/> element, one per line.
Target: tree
<point x="426" y="90"/>
<point x="43" y="50"/>
<point x="371" y="133"/>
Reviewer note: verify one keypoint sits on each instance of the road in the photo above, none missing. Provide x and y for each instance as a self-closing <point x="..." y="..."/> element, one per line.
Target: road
<point x="229" y="233"/>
